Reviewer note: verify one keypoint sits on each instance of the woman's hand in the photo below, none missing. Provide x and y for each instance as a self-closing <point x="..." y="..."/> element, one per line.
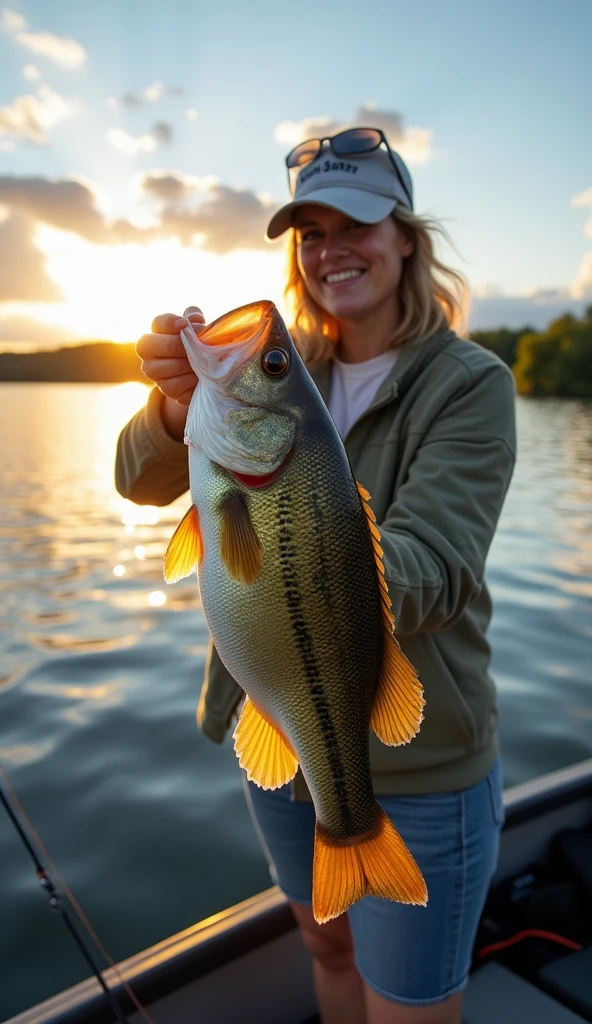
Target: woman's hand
<point x="164" y="361"/>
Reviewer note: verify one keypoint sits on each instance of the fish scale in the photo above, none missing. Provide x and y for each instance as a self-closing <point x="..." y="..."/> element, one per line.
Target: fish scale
<point x="326" y="637"/>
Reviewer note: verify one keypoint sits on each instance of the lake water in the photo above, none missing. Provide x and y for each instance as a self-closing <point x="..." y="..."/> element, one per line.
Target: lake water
<point x="101" y="665"/>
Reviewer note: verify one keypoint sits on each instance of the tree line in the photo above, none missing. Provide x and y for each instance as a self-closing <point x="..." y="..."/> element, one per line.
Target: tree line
<point x="557" y="361"/>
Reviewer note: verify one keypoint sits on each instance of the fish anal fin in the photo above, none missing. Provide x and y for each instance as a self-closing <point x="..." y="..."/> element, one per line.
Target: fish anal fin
<point x="398" y="706"/>
<point x="185" y="548"/>
<point x="377" y="863"/>
<point x="240" y="549"/>
<point x="262" y="749"/>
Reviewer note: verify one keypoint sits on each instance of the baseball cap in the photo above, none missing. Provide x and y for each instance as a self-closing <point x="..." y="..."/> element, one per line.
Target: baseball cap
<point x="367" y="187"/>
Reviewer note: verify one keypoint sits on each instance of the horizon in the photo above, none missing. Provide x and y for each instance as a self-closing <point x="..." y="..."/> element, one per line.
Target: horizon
<point x="137" y="177"/>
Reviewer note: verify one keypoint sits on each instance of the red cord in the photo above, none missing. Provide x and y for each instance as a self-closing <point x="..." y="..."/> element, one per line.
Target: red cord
<point x="529" y="933"/>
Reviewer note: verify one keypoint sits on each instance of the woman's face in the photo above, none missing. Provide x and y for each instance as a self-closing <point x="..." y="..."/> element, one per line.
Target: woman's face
<point x="351" y="270"/>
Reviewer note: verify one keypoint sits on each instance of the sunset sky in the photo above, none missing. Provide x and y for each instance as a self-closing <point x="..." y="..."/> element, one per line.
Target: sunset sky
<point x="142" y="145"/>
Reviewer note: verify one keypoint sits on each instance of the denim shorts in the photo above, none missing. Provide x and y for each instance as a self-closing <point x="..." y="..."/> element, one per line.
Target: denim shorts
<point x="411" y="955"/>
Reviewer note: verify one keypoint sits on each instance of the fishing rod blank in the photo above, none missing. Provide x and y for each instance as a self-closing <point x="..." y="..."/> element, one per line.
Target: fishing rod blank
<point x="57" y="905"/>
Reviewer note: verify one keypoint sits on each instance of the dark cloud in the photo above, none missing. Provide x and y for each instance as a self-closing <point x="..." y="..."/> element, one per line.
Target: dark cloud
<point x="23" y="277"/>
<point x="515" y="311"/>
<point x="231" y="219"/>
<point x="162" y="132"/>
<point x="414" y="144"/>
<point x="151" y="94"/>
<point x="167" y="186"/>
<point x="225" y="218"/>
<point x="66" y="205"/>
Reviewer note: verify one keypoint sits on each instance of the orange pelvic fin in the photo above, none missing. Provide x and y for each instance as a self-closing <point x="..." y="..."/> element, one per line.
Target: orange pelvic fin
<point x="185" y="548"/>
<point x="397" y="712"/>
<point x="262" y="749"/>
<point x="377" y="864"/>
<point x="240" y="549"/>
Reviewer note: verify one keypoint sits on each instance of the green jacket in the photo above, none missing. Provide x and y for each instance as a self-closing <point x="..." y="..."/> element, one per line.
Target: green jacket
<point x="436" y="450"/>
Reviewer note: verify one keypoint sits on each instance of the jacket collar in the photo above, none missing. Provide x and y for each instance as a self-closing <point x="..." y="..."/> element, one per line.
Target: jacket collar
<point x="412" y="359"/>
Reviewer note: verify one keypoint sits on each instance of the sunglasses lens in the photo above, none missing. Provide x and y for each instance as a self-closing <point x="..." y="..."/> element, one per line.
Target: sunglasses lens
<point x="356" y="140"/>
<point x="304" y="153"/>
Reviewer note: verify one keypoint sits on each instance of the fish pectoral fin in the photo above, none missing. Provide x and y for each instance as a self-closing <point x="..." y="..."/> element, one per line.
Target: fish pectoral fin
<point x="185" y="548"/>
<point x="397" y="712"/>
<point x="377" y="863"/>
<point x="262" y="749"/>
<point x="240" y="549"/>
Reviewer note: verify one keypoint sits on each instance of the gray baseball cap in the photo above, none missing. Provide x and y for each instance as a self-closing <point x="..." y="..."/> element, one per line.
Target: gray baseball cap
<point x="367" y="187"/>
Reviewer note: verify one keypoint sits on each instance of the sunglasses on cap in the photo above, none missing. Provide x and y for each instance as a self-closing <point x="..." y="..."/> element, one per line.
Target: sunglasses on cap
<point x="351" y="142"/>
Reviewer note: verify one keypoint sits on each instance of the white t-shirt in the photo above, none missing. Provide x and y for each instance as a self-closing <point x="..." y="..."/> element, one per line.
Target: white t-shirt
<point x="354" y="385"/>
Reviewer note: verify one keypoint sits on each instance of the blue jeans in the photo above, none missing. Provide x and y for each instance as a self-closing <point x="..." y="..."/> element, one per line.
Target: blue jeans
<point x="411" y="955"/>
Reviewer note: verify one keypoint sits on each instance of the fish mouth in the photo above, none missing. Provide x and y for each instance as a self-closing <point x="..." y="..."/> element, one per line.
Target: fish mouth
<point x="252" y="322"/>
<point x="255" y="483"/>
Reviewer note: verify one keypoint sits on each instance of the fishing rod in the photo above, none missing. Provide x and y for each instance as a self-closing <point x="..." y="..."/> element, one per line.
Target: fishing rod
<point x="57" y="905"/>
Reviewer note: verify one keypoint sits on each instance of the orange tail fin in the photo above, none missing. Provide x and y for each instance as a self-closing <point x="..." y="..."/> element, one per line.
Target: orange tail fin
<point x="378" y="864"/>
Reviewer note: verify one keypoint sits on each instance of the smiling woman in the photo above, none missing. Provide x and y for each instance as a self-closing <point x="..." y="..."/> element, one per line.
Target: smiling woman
<point x="428" y="424"/>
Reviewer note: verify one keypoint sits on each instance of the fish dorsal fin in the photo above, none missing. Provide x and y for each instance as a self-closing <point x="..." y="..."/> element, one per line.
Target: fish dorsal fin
<point x="262" y="749"/>
<point x="397" y="712"/>
<point x="185" y="548"/>
<point x="385" y="601"/>
<point x="240" y="549"/>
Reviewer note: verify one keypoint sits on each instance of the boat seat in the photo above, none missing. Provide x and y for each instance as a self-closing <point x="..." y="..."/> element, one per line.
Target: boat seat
<point x="495" y="995"/>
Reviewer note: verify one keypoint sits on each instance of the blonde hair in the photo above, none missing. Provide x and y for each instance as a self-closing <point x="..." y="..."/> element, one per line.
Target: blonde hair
<point x="431" y="294"/>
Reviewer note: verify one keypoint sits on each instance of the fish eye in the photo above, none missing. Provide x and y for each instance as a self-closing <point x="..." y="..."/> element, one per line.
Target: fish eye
<point x="275" y="362"/>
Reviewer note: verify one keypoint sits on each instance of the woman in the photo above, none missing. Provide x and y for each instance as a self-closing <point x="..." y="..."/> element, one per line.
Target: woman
<point x="428" y="423"/>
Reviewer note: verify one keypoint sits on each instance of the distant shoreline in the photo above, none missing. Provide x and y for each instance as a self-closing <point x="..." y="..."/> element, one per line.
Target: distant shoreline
<point x="96" y="362"/>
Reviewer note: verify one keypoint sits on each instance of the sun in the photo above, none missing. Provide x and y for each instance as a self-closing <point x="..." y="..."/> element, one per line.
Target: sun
<point x="114" y="292"/>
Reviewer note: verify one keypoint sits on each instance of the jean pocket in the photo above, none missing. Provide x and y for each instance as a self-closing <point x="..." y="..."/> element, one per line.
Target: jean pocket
<point x="496" y="794"/>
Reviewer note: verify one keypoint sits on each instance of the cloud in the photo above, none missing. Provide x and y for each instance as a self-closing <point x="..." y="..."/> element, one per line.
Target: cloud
<point x="581" y="287"/>
<point x="64" y="51"/>
<point x="31" y="73"/>
<point x="184" y="207"/>
<point x="11" y="21"/>
<point x="131" y="144"/>
<point x="169" y="186"/>
<point x="585" y="199"/>
<point x="223" y="218"/>
<point x="63" y="204"/>
<point x="151" y="94"/>
<point x="31" y="117"/>
<point x="23" y="277"/>
<point x="191" y="114"/>
<point x="68" y="205"/>
<point x="161" y="134"/>
<point x="414" y="144"/>
<point x="535" y="309"/>
<point x="24" y="332"/>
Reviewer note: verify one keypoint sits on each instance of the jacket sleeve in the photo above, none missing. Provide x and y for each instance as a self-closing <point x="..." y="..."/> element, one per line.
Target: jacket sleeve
<point x="151" y="468"/>
<point x="437" y="532"/>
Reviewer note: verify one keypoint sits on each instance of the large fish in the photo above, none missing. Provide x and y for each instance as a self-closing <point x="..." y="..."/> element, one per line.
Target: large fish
<point x="292" y="586"/>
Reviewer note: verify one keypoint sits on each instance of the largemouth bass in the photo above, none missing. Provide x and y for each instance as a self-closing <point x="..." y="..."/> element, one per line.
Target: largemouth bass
<point x="292" y="585"/>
